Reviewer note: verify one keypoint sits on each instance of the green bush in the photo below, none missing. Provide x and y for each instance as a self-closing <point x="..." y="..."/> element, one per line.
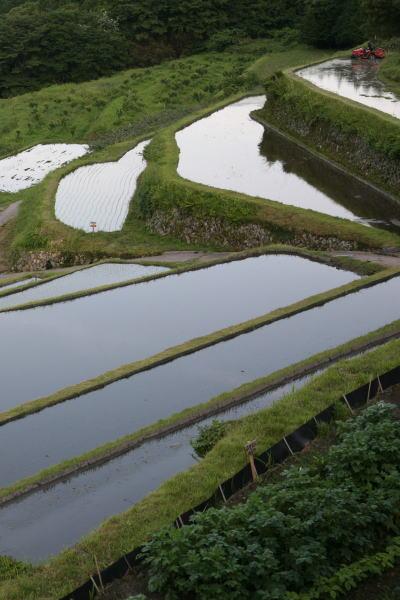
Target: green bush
<point x="291" y="533"/>
<point x="208" y="436"/>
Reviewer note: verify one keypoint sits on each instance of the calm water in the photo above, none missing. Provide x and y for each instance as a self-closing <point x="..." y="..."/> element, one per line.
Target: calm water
<point x="229" y="150"/>
<point x="46" y="522"/>
<point x="51" y="347"/>
<point x="105" y="274"/>
<point x="45" y="438"/>
<point x="354" y="79"/>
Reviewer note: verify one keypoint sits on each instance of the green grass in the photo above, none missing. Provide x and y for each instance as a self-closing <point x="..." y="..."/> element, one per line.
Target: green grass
<point x="389" y="71"/>
<point x="123" y="532"/>
<point x="113" y="108"/>
<point x="191" y="346"/>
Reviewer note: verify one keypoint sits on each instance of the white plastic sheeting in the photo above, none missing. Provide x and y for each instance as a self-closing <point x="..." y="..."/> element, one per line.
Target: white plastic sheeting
<point x="31" y="166"/>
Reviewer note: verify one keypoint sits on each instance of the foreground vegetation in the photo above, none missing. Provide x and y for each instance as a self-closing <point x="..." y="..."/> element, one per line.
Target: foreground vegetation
<point x="122" y="533"/>
<point x="290" y="534"/>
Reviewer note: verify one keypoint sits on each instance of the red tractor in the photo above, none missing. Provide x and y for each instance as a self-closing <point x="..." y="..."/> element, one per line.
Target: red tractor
<point x="367" y="53"/>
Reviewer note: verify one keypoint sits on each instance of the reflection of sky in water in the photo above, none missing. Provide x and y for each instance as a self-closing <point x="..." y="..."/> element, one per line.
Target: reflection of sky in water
<point x="50" y="347"/>
<point x="223" y="151"/>
<point x="356" y="80"/>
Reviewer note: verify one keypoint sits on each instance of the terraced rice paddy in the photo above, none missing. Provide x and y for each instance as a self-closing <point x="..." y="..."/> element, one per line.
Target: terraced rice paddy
<point x="130" y="404"/>
<point x="84" y="279"/>
<point x="86" y="337"/>
<point x="230" y="150"/>
<point x="46" y="522"/>
<point x="100" y="193"/>
<point x="31" y="166"/>
<point x="354" y="79"/>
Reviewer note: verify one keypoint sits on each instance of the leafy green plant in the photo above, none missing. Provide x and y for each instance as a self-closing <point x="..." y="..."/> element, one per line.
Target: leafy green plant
<point x="290" y="534"/>
<point x="208" y="436"/>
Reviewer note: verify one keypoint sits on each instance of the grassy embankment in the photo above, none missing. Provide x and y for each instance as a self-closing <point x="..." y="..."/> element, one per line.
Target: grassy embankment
<point x="191" y="346"/>
<point x="389" y="71"/>
<point x="123" y="532"/>
<point x="113" y="114"/>
<point x="363" y="140"/>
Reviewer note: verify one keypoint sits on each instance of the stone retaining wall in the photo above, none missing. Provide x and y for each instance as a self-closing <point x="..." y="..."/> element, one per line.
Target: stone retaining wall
<point x="195" y="230"/>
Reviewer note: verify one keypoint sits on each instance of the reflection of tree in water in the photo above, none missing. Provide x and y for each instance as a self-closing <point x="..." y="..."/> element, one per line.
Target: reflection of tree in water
<point x="347" y="191"/>
<point x="362" y="74"/>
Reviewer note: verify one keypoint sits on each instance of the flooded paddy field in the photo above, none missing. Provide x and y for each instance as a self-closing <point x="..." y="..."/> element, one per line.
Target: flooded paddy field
<point x="84" y="279"/>
<point x="230" y="150"/>
<point x="356" y="80"/>
<point x="31" y="166"/>
<point x="45" y="438"/>
<point x="51" y="347"/>
<point x="47" y="521"/>
<point x="100" y="193"/>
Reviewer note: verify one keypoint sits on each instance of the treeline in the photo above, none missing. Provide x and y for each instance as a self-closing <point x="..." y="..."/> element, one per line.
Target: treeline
<point x="341" y="23"/>
<point x="56" y="41"/>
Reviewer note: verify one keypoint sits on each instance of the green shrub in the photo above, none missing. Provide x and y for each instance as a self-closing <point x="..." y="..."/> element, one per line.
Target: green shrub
<point x="291" y="533"/>
<point x="208" y="436"/>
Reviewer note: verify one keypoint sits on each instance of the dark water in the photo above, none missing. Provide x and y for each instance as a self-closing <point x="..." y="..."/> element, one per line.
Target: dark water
<point x="46" y="522"/>
<point x="371" y="206"/>
<point x="229" y="150"/>
<point x="76" y="426"/>
<point x="354" y="79"/>
<point x="104" y="274"/>
<point x="48" y="348"/>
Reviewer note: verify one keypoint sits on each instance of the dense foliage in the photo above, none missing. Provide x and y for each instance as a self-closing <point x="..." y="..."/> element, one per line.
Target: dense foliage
<point x="291" y="533"/>
<point x="65" y="40"/>
<point x="342" y="23"/>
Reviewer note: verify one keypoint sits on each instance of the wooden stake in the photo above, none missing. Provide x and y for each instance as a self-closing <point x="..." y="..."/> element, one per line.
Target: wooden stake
<point x="250" y="449"/>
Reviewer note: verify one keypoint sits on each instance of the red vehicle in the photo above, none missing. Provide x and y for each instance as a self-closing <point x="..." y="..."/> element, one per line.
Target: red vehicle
<point x="366" y="53"/>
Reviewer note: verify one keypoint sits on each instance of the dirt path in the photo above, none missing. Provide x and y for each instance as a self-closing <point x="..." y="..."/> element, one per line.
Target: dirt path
<point x="9" y="213"/>
<point x="177" y="256"/>
<point x="386" y="260"/>
<point x="6" y="215"/>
